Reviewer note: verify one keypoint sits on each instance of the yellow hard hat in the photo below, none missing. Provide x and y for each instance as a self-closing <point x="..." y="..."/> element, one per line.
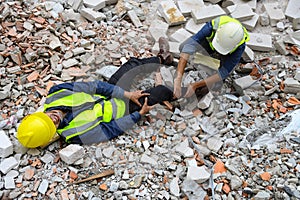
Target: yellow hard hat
<point x="36" y="130"/>
<point x="227" y="37"/>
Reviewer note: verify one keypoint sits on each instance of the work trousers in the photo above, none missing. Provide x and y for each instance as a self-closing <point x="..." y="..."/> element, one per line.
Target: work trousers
<point x="125" y="75"/>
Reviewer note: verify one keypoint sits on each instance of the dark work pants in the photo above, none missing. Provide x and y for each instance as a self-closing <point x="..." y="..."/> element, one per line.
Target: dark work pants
<point x="134" y="67"/>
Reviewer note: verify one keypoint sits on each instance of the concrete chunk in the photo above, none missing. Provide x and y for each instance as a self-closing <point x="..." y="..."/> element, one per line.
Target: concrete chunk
<point x="192" y="27"/>
<point x="248" y="55"/>
<point x="207" y="13"/>
<point x="250" y="24"/>
<point x="280" y="47"/>
<point x="148" y="160"/>
<point x="292" y="10"/>
<point x="293" y="14"/>
<point x="291" y="85"/>
<point x="171" y="13"/>
<point x="242" y="83"/>
<point x="296" y="23"/>
<point x="55" y="42"/>
<point x="184" y="149"/>
<point x="251" y="3"/>
<point x="198" y="174"/>
<point x="174" y="187"/>
<point x="43" y="187"/>
<point x="9" y="183"/>
<point x="92" y="15"/>
<point x="275" y="12"/>
<point x="167" y="75"/>
<point x="94" y="4"/>
<point x="71" y="153"/>
<point x="214" y="143"/>
<point x="134" y="18"/>
<point x="186" y="6"/>
<point x="241" y="12"/>
<point x="205" y="101"/>
<point x="297" y="74"/>
<point x="158" y="29"/>
<point x="260" y="42"/>
<point x="69" y="63"/>
<point x="28" y="26"/>
<point x="7" y="164"/>
<point x="6" y="146"/>
<point x="180" y="35"/>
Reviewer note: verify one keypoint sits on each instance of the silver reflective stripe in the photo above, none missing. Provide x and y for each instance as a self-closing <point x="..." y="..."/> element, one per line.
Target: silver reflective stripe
<point x="80" y="129"/>
<point x="114" y="108"/>
<point x="58" y="95"/>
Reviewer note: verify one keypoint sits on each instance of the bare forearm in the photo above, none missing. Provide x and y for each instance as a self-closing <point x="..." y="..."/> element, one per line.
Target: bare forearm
<point x="181" y="65"/>
<point x="208" y="81"/>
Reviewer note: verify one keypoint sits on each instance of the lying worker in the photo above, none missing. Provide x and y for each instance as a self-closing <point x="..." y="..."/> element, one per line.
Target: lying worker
<point x="93" y="112"/>
<point x="223" y="38"/>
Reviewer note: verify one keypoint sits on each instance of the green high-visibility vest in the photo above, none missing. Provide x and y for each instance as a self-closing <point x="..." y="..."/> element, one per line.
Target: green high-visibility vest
<point x="102" y="110"/>
<point x="219" y="21"/>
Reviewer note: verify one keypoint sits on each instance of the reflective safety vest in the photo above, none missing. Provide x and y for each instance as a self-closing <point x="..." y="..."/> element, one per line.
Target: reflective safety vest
<point x="88" y="110"/>
<point x="219" y="21"/>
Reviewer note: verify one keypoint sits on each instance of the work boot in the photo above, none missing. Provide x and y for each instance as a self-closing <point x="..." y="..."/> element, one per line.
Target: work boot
<point x="164" y="51"/>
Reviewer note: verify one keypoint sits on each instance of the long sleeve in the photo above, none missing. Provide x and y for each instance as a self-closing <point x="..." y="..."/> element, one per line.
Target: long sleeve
<point x="229" y="61"/>
<point x="107" y="130"/>
<point x="192" y="44"/>
<point x="95" y="87"/>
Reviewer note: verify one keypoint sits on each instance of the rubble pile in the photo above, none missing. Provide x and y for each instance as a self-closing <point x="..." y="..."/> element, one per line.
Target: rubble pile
<point x="242" y="142"/>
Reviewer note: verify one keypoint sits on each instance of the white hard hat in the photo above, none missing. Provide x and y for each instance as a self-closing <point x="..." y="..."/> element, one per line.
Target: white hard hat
<point x="227" y="37"/>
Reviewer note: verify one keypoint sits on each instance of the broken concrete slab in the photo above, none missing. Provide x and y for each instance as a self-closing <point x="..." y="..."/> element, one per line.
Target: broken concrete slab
<point x="242" y="83"/>
<point x="198" y="174"/>
<point x="275" y="12"/>
<point x="158" y="29"/>
<point x="260" y="42"/>
<point x="192" y="27"/>
<point x="291" y="85"/>
<point x="207" y="13"/>
<point x="186" y="6"/>
<point x="134" y="18"/>
<point x="250" y="24"/>
<point x="180" y="35"/>
<point x="248" y="54"/>
<point x="6" y="146"/>
<point x="92" y="15"/>
<point x="240" y="12"/>
<point x="94" y="4"/>
<point x="171" y="13"/>
<point x="205" y="101"/>
<point x="71" y="153"/>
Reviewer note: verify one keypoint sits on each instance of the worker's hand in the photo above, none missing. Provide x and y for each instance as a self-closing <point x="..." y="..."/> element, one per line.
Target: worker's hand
<point x="135" y="95"/>
<point x="190" y="91"/>
<point x="177" y="88"/>
<point x="145" y="109"/>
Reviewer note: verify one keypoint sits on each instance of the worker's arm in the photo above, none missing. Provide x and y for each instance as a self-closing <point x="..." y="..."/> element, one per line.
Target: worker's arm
<point x="230" y="61"/>
<point x="187" y="48"/>
<point x="206" y="82"/>
<point x="179" y="73"/>
<point x="94" y="87"/>
<point x="102" y="88"/>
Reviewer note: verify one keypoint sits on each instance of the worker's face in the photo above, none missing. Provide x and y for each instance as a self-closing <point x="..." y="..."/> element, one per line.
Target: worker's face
<point x="56" y="116"/>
